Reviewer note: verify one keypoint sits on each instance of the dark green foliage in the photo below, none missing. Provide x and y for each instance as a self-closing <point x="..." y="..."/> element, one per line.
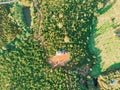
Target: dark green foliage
<point x="27" y="64"/>
<point x="75" y="23"/>
<point x="8" y="29"/>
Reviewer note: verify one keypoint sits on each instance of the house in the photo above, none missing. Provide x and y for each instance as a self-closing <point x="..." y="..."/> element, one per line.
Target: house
<point x="60" y="59"/>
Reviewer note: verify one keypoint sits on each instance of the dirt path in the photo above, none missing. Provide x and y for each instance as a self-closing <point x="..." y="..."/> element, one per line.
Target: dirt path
<point x="40" y="38"/>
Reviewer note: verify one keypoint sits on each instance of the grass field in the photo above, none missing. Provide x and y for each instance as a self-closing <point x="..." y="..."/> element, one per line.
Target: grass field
<point x="105" y="39"/>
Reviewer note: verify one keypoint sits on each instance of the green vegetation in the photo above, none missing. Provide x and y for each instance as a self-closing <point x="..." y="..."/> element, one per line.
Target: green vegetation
<point x="106" y="78"/>
<point x="24" y="58"/>
<point x="5" y="0"/>
<point x="8" y="29"/>
<point x="105" y="45"/>
<point x="106" y="40"/>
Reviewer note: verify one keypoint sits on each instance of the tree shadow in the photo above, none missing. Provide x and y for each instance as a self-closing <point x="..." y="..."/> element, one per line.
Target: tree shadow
<point x="27" y="15"/>
<point x="113" y="67"/>
<point x="106" y="8"/>
<point x="96" y="68"/>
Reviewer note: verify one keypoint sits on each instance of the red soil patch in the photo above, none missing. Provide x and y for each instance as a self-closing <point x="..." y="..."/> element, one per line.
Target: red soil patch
<point x="59" y="60"/>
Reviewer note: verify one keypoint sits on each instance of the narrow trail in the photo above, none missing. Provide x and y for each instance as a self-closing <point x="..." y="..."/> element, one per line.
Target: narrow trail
<point x="39" y="29"/>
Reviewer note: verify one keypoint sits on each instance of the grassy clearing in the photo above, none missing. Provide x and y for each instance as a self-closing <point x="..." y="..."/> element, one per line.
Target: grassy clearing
<point x="105" y="39"/>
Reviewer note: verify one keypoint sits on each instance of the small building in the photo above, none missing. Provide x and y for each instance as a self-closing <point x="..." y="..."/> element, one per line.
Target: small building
<point x="60" y="59"/>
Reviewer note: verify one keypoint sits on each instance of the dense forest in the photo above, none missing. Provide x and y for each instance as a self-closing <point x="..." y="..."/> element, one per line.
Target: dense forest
<point x="28" y="39"/>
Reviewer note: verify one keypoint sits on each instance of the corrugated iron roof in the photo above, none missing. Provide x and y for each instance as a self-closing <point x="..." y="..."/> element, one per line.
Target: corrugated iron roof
<point x="59" y="60"/>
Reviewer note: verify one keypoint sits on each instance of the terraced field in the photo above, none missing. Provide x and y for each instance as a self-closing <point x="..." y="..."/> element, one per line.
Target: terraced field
<point x="110" y="81"/>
